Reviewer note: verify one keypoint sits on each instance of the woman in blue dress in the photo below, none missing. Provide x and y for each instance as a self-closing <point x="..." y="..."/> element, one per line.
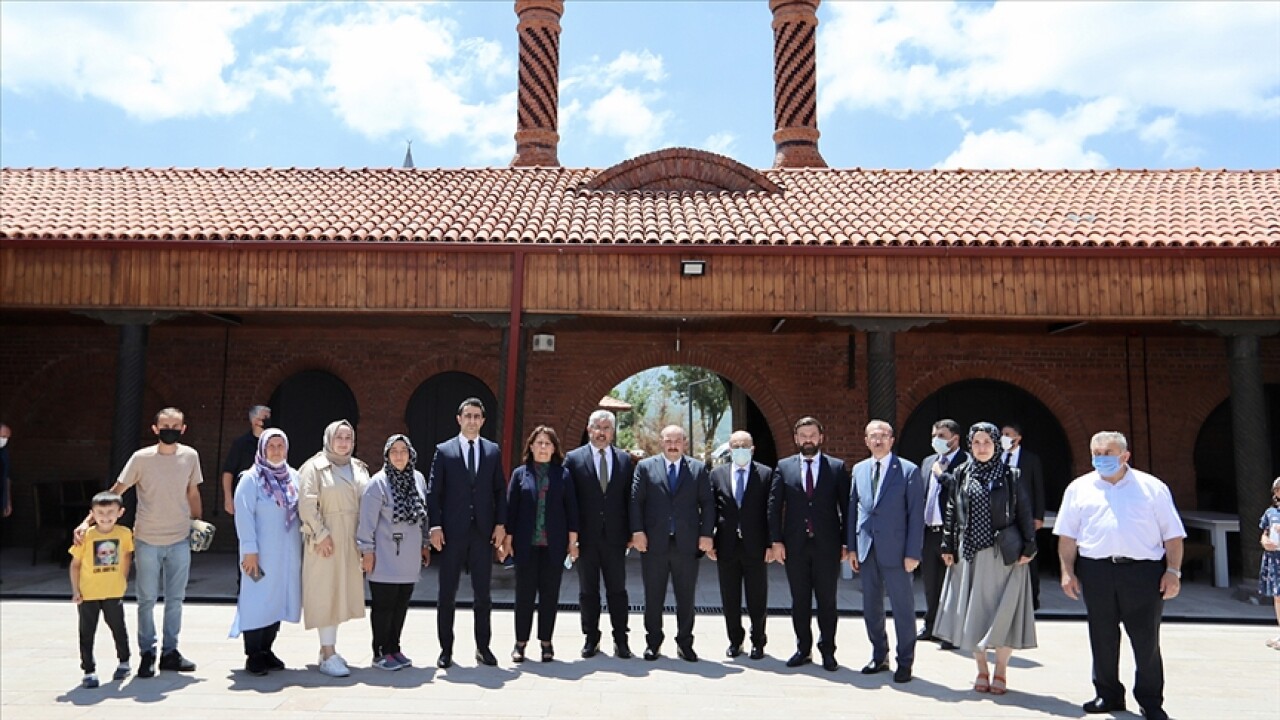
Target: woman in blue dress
<point x="266" y="501"/>
<point x="1269" y="575"/>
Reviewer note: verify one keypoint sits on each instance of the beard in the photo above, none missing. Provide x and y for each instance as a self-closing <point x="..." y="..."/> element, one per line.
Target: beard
<point x="809" y="449"/>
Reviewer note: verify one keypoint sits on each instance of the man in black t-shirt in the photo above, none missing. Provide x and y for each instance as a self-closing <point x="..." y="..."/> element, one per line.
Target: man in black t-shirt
<point x="240" y="457"/>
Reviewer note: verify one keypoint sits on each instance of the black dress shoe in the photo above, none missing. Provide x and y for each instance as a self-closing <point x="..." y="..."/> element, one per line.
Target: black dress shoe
<point x="687" y="654"/>
<point x="256" y="664"/>
<point x="273" y="662"/>
<point x="948" y="645"/>
<point x="925" y="635"/>
<point x="590" y="649"/>
<point x="1154" y="714"/>
<point x="799" y="659"/>
<point x="902" y="674"/>
<point x="445" y="660"/>
<point x="485" y="657"/>
<point x="757" y="652"/>
<point x="174" y="661"/>
<point x="147" y="665"/>
<point x="829" y="662"/>
<point x="874" y="667"/>
<point x="1099" y="705"/>
<point x="622" y="650"/>
<point x="651" y="654"/>
<point x="735" y="649"/>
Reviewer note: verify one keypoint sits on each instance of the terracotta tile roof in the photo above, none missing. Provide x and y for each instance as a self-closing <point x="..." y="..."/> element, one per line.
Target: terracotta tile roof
<point x="1183" y="208"/>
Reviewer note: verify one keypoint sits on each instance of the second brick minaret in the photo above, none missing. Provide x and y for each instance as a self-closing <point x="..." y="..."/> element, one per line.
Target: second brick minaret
<point x="538" y="94"/>
<point x="795" y="83"/>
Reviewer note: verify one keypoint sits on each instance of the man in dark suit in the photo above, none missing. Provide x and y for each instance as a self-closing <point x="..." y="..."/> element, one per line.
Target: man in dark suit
<point x="1014" y="455"/>
<point x="602" y="475"/>
<point x="886" y="537"/>
<point x="673" y="515"/>
<point x="946" y="457"/>
<point x="742" y="546"/>
<point x="467" y="511"/>
<point x="808" y="499"/>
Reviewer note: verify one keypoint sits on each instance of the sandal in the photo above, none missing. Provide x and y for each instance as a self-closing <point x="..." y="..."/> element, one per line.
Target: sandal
<point x="1274" y="642"/>
<point x="517" y="655"/>
<point x="999" y="685"/>
<point x="548" y="653"/>
<point x="982" y="683"/>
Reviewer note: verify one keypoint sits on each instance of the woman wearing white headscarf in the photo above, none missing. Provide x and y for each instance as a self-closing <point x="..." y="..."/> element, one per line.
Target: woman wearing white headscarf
<point x="332" y="482"/>
<point x="266" y="503"/>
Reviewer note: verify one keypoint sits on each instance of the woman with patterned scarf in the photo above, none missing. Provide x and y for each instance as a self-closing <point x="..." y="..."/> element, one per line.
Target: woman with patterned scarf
<point x="393" y="548"/>
<point x="988" y="539"/>
<point x="266" y="501"/>
<point x="542" y="528"/>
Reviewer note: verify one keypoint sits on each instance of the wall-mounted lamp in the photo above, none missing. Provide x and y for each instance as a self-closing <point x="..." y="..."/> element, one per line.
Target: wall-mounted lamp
<point x="693" y="268"/>
<point x="544" y="342"/>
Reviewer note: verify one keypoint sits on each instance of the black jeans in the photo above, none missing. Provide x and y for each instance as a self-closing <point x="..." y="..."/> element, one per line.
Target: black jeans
<point x="112" y="610"/>
<point x="537" y="577"/>
<point x="260" y="640"/>
<point x="389" y="603"/>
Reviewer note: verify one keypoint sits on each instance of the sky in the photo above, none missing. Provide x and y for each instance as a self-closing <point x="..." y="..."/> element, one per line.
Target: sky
<point x="920" y="85"/>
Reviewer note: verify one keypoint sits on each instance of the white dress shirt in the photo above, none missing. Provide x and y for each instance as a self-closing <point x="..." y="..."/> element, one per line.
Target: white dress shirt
<point x="1131" y="519"/>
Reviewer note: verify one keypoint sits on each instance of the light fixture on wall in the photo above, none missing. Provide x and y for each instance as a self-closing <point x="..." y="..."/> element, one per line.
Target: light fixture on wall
<point x="693" y="268"/>
<point x="544" y="342"/>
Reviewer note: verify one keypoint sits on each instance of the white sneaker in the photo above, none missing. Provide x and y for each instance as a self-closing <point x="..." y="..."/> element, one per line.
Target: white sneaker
<point x="334" y="667"/>
<point x="343" y="662"/>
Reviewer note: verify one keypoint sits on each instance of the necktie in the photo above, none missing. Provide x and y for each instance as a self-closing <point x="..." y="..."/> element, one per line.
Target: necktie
<point x="604" y="472"/>
<point x="808" y="478"/>
<point x="1008" y="459"/>
<point x="740" y="488"/>
<point x="875" y="480"/>
<point x="672" y="477"/>
<point x="471" y="459"/>
<point x="932" y="506"/>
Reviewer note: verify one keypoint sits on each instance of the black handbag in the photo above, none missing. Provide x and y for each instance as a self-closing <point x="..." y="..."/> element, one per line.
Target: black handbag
<point x="1009" y="539"/>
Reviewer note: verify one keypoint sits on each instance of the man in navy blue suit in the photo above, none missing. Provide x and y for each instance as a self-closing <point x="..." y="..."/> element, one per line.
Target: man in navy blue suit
<point x="808" y="501"/>
<point x="886" y="539"/>
<point x="467" y="511"/>
<point x="673" y="515"/>
<point x="602" y="476"/>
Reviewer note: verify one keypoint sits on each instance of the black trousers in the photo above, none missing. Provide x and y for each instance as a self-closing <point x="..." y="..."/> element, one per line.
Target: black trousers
<point x="932" y="573"/>
<point x="112" y="611"/>
<point x="474" y="551"/>
<point x="813" y="573"/>
<point x="597" y="561"/>
<point x="389" y="603"/>
<point x="260" y="640"/>
<point x="660" y="563"/>
<point x="738" y="572"/>
<point x="537" y="579"/>
<point x="1126" y="593"/>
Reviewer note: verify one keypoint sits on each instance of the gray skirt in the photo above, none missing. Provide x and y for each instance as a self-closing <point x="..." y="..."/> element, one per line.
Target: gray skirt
<point x="987" y="604"/>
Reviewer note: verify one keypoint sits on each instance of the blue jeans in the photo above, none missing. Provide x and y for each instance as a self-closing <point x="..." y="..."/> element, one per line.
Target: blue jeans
<point x="161" y="567"/>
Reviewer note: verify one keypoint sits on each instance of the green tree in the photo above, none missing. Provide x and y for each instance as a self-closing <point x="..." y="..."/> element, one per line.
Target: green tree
<point x="638" y="395"/>
<point x="710" y="398"/>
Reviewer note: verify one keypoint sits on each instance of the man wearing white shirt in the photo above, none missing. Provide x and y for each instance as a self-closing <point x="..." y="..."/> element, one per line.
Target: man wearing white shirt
<point x="946" y="457"/>
<point x="1120" y="543"/>
<point x="741" y="490"/>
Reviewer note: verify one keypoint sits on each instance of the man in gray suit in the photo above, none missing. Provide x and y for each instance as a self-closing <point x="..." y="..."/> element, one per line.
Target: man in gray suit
<point x="886" y="538"/>
<point x="673" y="514"/>
<point x="935" y="469"/>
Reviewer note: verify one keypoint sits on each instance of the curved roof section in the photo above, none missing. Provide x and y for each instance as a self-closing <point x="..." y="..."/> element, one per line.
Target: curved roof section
<point x="682" y="170"/>
<point x="850" y="208"/>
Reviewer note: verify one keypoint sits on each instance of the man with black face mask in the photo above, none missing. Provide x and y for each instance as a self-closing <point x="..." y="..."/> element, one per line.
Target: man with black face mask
<point x="167" y="478"/>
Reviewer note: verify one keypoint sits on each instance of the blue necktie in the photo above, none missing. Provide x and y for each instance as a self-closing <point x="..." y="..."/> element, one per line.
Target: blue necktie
<point x="673" y="475"/>
<point x="741" y="487"/>
<point x="471" y="459"/>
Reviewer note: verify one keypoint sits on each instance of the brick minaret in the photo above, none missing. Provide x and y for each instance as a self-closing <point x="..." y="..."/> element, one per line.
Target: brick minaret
<point x="538" y="95"/>
<point x="795" y="83"/>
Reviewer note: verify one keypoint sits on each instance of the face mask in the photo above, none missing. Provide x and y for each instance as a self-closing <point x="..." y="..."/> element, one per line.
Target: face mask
<point x="741" y="456"/>
<point x="169" y="436"/>
<point x="1006" y="442"/>
<point x="941" y="446"/>
<point x="4" y="441"/>
<point x="1106" y="465"/>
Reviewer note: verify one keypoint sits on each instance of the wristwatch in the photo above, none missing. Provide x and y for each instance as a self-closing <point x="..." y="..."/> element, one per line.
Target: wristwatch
<point x="1174" y="572"/>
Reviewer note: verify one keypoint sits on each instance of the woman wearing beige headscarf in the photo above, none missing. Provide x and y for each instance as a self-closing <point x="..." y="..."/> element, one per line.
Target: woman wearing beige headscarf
<point x="332" y="482"/>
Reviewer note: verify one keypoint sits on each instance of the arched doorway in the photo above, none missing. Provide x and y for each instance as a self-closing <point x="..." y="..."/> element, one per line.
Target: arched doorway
<point x="432" y="412"/>
<point x="970" y="401"/>
<point x="304" y="405"/>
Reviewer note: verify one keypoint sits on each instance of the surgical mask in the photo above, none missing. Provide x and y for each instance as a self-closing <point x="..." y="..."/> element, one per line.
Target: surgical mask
<point x="941" y="446"/>
<point x="741" y="456"/>
<point x="1106" y="465"/>
<point x="1006" y="442"/>
<point x="4" y="441"/>
<point x="169" y="436"/>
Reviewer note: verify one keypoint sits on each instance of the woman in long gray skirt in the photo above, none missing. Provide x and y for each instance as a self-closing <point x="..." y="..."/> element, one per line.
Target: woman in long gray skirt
<point x="986" y="595"/>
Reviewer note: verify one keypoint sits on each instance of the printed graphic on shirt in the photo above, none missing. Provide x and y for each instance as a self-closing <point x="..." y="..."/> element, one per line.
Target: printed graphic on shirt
<point x="106" y="555"/>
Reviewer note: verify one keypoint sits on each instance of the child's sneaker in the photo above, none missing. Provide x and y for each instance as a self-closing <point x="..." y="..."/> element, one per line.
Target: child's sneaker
<point x="122" y="671"/>
<point x="387" y="662"/>
<point x="404" y="661"/>
<point x="90" y="681"/>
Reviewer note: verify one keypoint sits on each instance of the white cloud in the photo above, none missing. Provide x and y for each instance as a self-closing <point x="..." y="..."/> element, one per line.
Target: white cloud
<point x="625" y="114"/>
<point x="1044" y="140"/>
<point x="723" y="143"/>
<point x="1165" y="131"/>
<point x="153" y="60"/>
<point x="618" y="99"/>
<point x="1191" y="57"/>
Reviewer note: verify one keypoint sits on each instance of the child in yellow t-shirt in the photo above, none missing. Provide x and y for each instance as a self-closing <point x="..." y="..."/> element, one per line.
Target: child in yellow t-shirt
<point x="99" y="575"/>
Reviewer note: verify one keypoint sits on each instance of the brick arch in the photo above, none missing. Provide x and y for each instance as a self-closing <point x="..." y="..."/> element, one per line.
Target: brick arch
<point x="1199" y="406"/>
<point x="682" y="169"/>
<point x="28" y="399"/>
<point x="1049" y="395"/>
<point x="270" y="378"/>
<point x="751" y="382"/>
<point x="483" y="368"/>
